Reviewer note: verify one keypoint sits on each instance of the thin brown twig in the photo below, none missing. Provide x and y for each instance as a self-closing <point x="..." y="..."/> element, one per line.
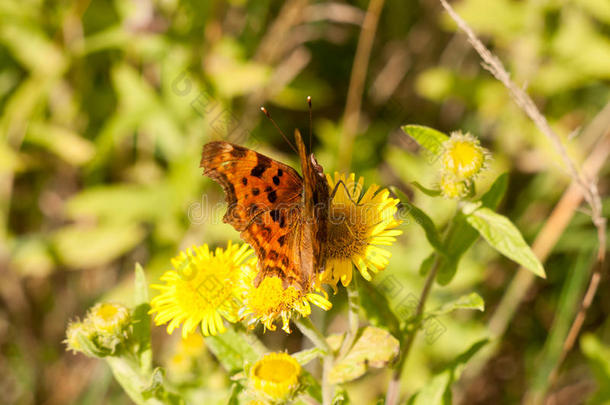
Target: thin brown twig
<point x="351" y="116"/>
<point x="525" y="102"/>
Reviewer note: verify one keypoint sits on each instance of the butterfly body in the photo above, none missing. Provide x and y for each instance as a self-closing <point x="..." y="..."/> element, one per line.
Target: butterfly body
<point x="283" y="216"/>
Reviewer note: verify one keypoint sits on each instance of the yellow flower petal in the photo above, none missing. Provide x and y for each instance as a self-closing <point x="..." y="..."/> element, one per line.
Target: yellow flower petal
<point x="200" y="289"/>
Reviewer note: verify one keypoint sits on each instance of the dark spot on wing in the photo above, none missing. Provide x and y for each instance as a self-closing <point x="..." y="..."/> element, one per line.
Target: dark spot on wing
<point x="255" y="191"/>
<point x="282" y="221"/>
<point x="268" y="189"/>
<point x="280" y="172"/>
<point x="275" y="215"/>
<point x="272" y="196"/>
<point x="276" y="180"/>
<point x="281" y="240"/>
<point x="244" y="181"/>
<point x="263" y="164"/>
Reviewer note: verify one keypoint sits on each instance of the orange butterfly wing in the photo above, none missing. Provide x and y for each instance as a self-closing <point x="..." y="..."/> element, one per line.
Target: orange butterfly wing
<point x="264" y="200"/>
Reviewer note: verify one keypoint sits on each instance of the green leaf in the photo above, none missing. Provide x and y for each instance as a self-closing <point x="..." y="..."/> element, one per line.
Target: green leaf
<point x="236" y="389"/>
<point x="423" y="220"/>
<point x="434" y="392"/>
<point x="426" y="264"/>
<point x="140" y="286"/>
<point x="32" y="48"/>
<point x="312" y="386"/>
<point x="83" y="247"/>
<point x="377" y="308"/>
<point x="374" y="348"/>
<point x="305" y="356"/>
<point x="141" y="321"/>
<point x="234" y="348"/>
<point x="61" y="141"/>
<point x="598" y="356"/>
<point x="438" y="390"/>
<point x="428" y="138"/>
<point x="461" y="235"/>
<point x="471" y="301"/>
<point x="493" y="196"/>
<point x="142" y="388"/>
<point x="504" y="236"/>
<point x="428" y="191"/>
<point x="577" y="275"/>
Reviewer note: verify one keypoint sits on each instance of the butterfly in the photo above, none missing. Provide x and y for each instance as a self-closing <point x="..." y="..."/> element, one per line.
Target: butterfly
<point x="283" y="216"/>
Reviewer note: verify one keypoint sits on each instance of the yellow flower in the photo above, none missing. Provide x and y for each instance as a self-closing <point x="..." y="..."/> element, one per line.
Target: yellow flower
<point x="359" y="225"/>
<point x="192" y="345"/>
<point x="184" y="358"/>
<point x="452" y="187"/>
<point x="275" y="377"/>
<point x="270" y="300"/>
<point x="200" y="289"/>
<point x="109" y="318"/>
<point x="463" y="156"/>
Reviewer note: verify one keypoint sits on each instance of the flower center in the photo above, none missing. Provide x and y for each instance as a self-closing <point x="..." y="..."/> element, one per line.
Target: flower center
<point x="275" y="370"/>
<point x="202" y="288"/>
<point x="347" y="231"/>
<point x="107" y="312"/>
<point x="271" y="297"/>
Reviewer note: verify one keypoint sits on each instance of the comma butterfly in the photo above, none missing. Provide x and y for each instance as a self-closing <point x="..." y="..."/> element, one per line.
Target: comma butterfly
<point x="282" y="215"/>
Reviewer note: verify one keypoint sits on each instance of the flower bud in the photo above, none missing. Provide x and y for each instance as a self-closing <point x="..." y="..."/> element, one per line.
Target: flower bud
<point x="275" y="377"/>
<point x="463" y="156"/>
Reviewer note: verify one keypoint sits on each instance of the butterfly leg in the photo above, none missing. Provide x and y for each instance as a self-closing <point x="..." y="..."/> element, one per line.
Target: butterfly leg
<point x="336" y="188"/>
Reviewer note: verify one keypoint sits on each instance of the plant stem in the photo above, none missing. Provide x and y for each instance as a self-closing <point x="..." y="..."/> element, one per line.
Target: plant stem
<point x="309" y="329"/>
<point x="353" y="302"/>
<point x="351" y="116"/>
<point x="393" y="392"/>
<point x="317" y="338"/>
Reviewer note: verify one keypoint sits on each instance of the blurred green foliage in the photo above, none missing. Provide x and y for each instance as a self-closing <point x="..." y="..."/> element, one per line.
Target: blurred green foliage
<point x="105" y="106"/>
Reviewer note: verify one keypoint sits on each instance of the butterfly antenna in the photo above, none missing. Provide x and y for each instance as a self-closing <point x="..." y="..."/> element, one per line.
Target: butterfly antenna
<point x="310" y="125"/>
<point x="264" y="110"/>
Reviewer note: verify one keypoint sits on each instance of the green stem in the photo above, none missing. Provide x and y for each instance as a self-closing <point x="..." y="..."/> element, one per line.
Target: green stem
<point x="309" y="329"/>
<point x="353" y="302"/>
<point x="393" y="392"/>
<point x="128" y="375"/>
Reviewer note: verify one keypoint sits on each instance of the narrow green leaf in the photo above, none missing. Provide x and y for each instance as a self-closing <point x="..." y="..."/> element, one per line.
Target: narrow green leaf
<point x="428" y="191"/>
<point x="438" y="390"/>
<point x="470" y="301"/>
<point x="569" y="302"/>
<point x="305" y="356"/>
<point x="598" y="356"/>
<point x="377" y="308"/>
<point x="428" y="138"/>
<point x="504" y="236"/>
<point x="141" y="321"/>
<point x="434" y="392"/>
<point x="427" y="264"/>
<point x="493" y="196"/>
<point x="236" y="389"/>
<point x="461" y="235"/>
<point x="140" y="287"/>
<point x="423" y="220"/>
